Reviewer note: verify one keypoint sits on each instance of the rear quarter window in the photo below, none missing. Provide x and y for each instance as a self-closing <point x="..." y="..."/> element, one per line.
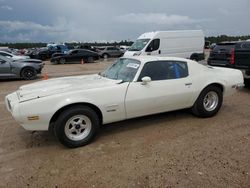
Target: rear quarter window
<point x="245" y="46"/>
<point x="221" y="47"/>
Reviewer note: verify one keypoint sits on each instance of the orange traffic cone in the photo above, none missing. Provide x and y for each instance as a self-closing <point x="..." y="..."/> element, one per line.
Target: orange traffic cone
<point x="82" y="62"/>
<point x="45" y="76"/>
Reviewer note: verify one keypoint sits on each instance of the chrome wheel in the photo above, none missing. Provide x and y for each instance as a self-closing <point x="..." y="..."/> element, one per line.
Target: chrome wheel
<point x="105" y="56"/>
<point x="211" y="101"/>
<point x="78" y="127"/>
<point x="62" y="61"/>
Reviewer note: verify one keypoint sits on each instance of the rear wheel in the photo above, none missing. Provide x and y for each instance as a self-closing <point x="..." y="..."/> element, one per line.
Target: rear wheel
<point x="62" y="61"/>
<point x="209" y="102"/>
<point x="28" y="73"/>
<point x="90" y="60"/>
<point x="247" y="82"/>
<point x="105" y="56"/>
<point x="76" y="126"/>
<point x="194" y="57"/>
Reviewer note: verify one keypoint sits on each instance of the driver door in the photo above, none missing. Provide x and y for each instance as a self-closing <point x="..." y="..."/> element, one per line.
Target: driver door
<point x="153" y="48"/>
<point x="5" y="68"/>
<point x="170" y="89"/>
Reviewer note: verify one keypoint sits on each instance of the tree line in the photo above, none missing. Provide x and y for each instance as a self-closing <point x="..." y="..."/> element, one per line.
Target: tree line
<point x="212" y="39"/>
<point x="222" y="38"/>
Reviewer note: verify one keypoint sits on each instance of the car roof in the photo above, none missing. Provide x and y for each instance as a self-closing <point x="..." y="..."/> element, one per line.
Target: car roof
<point x="5" y="52"/>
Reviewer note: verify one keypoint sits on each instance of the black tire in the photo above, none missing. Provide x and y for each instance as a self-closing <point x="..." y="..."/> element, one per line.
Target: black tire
<point x="57" y="62"/>
<point x="194" y="57"/>
<point x="63" y="123"/>
<point x="199" y="108"/>
<point x="105" y="56"/>
<point x="247" y="83"/>
<point x="28" y="73"/>
<point x="43" y="57"/>
<point x="62" y="61"/>
<point x="90" y="60"/>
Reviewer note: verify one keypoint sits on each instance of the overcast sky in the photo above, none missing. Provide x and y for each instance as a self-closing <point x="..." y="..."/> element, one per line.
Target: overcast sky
<point x="109" y="20"/>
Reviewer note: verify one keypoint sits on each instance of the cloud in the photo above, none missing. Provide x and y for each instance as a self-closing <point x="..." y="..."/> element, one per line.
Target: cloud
<point x="224" y="11"/>
<point x="155" y="18"/>
<point x="6" y="7"/>
<point x="60" y="30"/>
<point x="31" y="31"/>
<point x="19" y="25"/>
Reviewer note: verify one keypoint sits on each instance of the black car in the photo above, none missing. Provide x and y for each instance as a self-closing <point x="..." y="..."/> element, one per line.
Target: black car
<point x="47" y="52"/>
<point x="41" y="53"/>
<point x="73" y="56"/>
<point x="233" y="55"/>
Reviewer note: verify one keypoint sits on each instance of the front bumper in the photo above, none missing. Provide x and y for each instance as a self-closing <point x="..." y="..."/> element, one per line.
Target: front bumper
<point x="238" y="86"/>
<point x="11" y="102"/>
<point x="26" y="119"/>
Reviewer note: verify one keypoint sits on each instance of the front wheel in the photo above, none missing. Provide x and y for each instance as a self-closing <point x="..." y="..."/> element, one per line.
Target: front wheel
<point x="28" y="73"/>
<point x="76" y="126"/>
<point x="209" y="102"/>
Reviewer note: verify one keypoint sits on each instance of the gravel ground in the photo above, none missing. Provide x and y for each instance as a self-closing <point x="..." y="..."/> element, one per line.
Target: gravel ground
<point x="172" y="149"/>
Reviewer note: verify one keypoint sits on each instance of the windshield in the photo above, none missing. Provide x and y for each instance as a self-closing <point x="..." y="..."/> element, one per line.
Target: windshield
<point x="123" y="69"/>
<point x="138" y="45"/>
<point x="4" y="59"/>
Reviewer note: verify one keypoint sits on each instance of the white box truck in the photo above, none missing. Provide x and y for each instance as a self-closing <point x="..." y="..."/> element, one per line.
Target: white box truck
<point x="183" y="43"/>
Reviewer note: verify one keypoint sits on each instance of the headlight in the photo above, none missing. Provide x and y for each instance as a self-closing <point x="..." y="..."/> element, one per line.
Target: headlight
<point x="137" y="54"/>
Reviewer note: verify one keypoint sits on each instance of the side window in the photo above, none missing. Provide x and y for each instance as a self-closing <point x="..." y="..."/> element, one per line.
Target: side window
<point x="75" y="52"/>
<point x="84" y="52"/>
<point x="111" y="48"/>
<point x="4" y="54"/>
<point x="246" y="46"/>
<point x="2" y="61"/>
<point x="164" y="70"/>
<point x="154" y="45"/>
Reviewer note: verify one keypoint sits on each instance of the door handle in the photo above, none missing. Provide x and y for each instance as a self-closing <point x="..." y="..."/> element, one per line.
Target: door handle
<point x="159" y="51"/>
<point x="188" y="84"/>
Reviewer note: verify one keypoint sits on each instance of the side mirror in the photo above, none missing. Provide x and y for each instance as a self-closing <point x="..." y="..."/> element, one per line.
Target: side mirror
<point x="145" y="80"/>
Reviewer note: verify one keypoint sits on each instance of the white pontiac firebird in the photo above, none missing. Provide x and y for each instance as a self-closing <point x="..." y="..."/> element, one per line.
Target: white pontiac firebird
<point x="75" y="107"/>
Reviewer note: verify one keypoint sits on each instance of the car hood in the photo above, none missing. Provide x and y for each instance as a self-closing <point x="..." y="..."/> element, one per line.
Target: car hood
<point x="28" y="61"/>
<point x="20" y="57"/>
<point x="61" y="85"/>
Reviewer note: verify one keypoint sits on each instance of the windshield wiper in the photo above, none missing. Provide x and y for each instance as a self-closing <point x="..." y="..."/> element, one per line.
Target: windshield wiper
<point x="133" y="49"/>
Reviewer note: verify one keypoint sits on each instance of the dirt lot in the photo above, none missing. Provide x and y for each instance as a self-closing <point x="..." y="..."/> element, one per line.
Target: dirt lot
<point x="168" y="150"/>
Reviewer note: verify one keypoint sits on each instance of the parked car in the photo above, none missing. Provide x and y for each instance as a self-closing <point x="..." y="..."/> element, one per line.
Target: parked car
<point x="109" y="51"/>
<point x="75" y="56"/>
<point x="181" y="43"/>
<point x="47" y="52"/>
<point x="13" y="56"/>
<point x="41" y="53"/>
<point x="75" y="107"/>
<point x="124" y="48"/>
<point x="22" y="68"/>
<point x="233" y="55"/>
<point x="86" y="47"/>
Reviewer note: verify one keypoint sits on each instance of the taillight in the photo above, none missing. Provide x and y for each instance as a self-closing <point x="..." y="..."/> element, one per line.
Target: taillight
<point x="232" y="58"/>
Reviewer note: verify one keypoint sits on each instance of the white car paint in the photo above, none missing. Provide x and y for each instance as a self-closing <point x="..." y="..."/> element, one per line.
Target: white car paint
<point x="115" y="99"/>
<point x="180" y="43"/>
